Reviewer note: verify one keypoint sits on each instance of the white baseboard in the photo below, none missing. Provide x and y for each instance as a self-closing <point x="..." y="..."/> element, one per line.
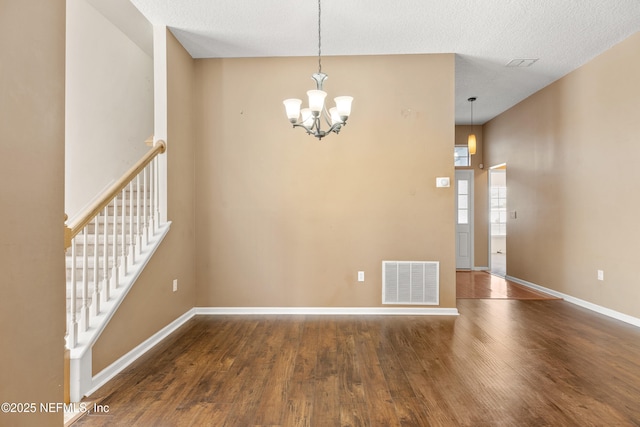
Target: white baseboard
<point x="116" y="367"/>
<point x="376" y="311"/>
<point x="582" y="303"/>
<point x="480" y="268"/>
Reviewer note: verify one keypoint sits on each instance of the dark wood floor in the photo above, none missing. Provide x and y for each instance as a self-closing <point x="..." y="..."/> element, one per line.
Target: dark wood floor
<point x="500" y="363"/>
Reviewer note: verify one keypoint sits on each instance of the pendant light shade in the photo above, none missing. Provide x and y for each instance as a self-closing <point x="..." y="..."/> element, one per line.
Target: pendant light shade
<point x="471" y="143"/>
<point x="316" y="101"/>
<point x="471" y="140"/>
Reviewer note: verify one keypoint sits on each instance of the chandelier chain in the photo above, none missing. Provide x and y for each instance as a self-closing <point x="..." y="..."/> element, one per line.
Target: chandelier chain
<point x="319" y="39"/>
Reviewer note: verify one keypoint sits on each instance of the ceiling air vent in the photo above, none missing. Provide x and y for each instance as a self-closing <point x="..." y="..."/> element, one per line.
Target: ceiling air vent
<point x="521" y="63"/>
<point x="410" y="282"/>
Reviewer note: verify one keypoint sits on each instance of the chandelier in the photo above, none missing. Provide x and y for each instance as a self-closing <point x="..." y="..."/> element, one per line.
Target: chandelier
<point x="316" y="113"/>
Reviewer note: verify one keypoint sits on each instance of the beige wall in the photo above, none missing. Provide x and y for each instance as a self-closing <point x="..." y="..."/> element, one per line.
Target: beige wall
<point x="286" y="220"/>
<point x="480" y="195"/>
<point x="151" y="304"/>
<point x="570" y="151"/>
<point x="32" y="319"/>
<point x="109" y="104"/>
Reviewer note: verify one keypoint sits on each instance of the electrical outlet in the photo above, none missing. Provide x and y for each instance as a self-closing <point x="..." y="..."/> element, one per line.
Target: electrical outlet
<point x="600" y="274"/>
<point x="360" y="276"/>
<point x="175" y="285"/>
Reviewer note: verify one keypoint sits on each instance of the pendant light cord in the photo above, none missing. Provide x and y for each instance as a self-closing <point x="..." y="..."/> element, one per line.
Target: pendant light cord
<point x="471" y="100"/>
<point x="319" y="40"/>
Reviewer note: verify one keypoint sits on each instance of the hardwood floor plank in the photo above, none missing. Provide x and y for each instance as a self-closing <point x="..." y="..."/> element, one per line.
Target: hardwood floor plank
<point x="379" y="400"/>
<point x="388" y="355"/>
<point x="272" y="406"/>
<point x="220" y="382"/>
<point x="200" y="414"/>
<point x="351" y="389"/>
<point x="326" y="409"/>
<point x="299" y="408"/>
<point x="354" y="415"/>
<point x="411" y="412"/>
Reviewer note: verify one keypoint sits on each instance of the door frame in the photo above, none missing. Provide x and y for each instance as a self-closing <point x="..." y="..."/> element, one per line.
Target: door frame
<point x="470" y="175"/>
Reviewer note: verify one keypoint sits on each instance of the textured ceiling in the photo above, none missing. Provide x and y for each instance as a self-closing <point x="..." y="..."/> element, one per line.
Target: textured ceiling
<point x="485" y="35"/>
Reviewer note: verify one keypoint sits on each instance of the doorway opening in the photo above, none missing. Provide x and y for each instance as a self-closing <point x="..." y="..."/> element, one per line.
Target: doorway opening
<point x="498" y="220"/>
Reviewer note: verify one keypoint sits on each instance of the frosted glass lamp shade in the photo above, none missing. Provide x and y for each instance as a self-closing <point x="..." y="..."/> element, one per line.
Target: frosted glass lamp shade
<point x="292" y="106"/>
<point x="316" y="101"/>
<point x="307" y="117"/>
<point x="335" y="117"/>
<point x="343" y="104"/>
<point x="471" y="143"/>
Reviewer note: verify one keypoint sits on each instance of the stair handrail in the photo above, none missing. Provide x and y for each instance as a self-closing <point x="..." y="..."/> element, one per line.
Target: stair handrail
<point x="82" y="220"/>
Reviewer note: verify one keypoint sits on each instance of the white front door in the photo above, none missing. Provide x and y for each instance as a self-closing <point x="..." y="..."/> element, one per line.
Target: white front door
<point x="464" y="219"/>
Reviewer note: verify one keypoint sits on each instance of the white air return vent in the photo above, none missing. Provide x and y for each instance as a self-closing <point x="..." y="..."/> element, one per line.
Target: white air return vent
<point x="410" y="282"/>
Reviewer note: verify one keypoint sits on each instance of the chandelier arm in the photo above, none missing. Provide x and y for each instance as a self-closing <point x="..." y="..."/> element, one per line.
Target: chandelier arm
<point x="326" y="115"/>
<point x="315" y="129"/>
<point x="301" y="125"/>
<point x="336" y="127"/>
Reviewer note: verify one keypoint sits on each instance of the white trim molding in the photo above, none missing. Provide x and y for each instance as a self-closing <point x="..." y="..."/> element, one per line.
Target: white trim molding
<point x="374" y="311"/>
<point x="582" y="303"/>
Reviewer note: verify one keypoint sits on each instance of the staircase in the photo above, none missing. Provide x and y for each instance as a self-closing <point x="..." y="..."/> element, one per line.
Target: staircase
<point x="108" y="247"/>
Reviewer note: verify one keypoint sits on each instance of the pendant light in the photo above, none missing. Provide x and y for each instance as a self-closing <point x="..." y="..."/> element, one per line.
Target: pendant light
<point x="471" y="140"/>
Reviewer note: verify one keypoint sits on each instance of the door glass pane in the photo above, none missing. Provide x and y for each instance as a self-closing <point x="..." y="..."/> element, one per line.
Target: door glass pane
<point x="463" y="201"/>
<point x="463" y="186"/>
<point x="463" y="216"/>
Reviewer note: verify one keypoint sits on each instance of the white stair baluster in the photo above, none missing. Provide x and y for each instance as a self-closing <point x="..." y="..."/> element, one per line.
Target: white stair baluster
<point x="115" y="273"/>
<point x="138" y="224"/>
<point x="151" y="194"/>
<point x="72" y="332"/>
<point x="124" y="233"/>
<point x="145" y="200"/>
<point x="106" y="292"/>
<point x="132" y="240"/>
<point x="84" y="310"/>
<point x="95" y="297"/>
<point x="156" y="199"/>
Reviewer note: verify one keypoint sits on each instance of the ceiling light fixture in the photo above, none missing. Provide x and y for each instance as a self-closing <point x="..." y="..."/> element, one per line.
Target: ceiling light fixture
<point x="471" y="141"/>
<point x="313" y="116"/>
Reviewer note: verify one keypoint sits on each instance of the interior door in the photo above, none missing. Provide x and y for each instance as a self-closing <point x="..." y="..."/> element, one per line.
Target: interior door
<point x="464" y="219"/>
<point x="498" y="220"/>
